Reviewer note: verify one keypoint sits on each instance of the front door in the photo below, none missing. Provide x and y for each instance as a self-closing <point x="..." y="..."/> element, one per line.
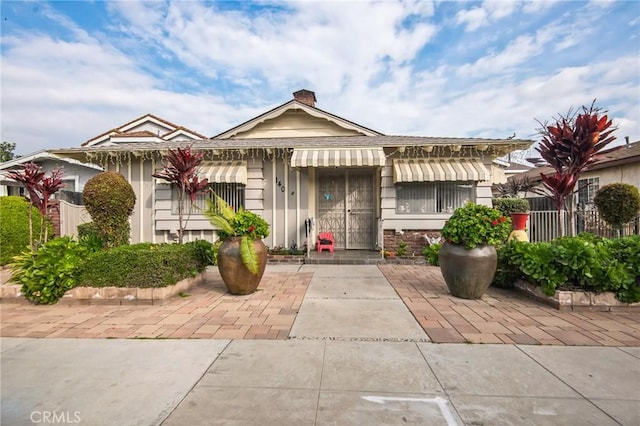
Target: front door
<point x="346" y="207"/>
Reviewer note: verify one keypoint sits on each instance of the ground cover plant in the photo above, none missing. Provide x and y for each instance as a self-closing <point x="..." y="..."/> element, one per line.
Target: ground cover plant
<point x="49" y="271"/>
<point x="585" y="262"/>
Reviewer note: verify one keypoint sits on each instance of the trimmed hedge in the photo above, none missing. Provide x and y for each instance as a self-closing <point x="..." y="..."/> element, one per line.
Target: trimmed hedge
<point x="144" y="265"/>
<point x="14" y="227"/>
<point x="617" y="203"/>
<point x="110" y="200"/>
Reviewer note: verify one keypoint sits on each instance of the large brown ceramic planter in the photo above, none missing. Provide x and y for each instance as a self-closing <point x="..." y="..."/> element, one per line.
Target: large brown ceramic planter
<point x="238" y="279"/>
<point x="468" y="272"/>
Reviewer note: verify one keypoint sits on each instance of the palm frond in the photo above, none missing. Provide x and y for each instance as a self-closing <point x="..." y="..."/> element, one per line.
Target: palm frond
<point x="249" y="255"/>
<point x="217" y="219"/>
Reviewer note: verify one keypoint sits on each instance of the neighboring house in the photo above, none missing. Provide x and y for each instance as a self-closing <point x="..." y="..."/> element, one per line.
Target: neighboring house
<point x="147" y="129"/>
<point x="618" y="165"/>
<point x="297" y="162"/>
<point x="76" y="173"/>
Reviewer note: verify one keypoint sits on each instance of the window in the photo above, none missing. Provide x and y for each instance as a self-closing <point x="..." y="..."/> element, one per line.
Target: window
<point x="433" y="197"/>
<point x="232" y="193"/>
<point x="587" y="189"/>
<point x="69" y="185"/>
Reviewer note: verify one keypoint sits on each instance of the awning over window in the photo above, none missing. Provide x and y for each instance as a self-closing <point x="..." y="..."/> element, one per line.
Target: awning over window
<point x="335" y="157"/>
<point x="225" y="172"/>
<point x="433" y="170"/>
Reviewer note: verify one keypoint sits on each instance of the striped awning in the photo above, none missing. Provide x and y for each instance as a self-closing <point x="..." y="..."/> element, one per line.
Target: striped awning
<point x="335" y="157"/>
<point x="225" y="172"/>
<point x="433" y="170"/>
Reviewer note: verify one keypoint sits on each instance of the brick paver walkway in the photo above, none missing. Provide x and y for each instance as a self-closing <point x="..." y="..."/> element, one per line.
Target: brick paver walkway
<point x="503" y="316"/>
<point x="207" y="312"/>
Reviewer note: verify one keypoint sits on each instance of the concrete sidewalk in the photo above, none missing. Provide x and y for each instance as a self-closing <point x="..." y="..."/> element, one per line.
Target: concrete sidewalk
<point x="356" y="355"/>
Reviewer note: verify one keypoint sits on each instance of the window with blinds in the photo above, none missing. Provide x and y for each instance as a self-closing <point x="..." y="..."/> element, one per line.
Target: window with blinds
<point x="433" y="197"/>
<point x="232" y="193"/>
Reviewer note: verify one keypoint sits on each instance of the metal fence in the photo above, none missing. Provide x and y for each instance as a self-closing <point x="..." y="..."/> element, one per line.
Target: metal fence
<point x="543" y="225"/>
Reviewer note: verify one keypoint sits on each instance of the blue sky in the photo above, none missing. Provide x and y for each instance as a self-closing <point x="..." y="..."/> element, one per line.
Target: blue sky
<point x="72" y="70"/>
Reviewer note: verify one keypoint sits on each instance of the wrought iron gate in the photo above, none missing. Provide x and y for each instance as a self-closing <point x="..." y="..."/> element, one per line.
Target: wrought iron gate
<point x="346" y="207"/>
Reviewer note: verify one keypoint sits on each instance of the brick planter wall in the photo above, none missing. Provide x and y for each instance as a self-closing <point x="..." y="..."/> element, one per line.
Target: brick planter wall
<point x="414" y="238"/>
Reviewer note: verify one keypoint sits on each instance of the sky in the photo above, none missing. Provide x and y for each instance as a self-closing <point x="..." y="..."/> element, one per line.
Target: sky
<point x="71" y="70"/>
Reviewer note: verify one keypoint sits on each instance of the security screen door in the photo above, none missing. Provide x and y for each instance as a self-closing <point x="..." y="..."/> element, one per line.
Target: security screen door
<point x="346" y="207"/>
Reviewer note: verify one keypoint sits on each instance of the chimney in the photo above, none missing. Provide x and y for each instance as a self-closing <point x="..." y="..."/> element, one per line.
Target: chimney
<point x="306" y="97"/>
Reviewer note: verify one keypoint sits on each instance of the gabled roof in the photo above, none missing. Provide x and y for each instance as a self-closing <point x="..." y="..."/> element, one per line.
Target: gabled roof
<point x="295" y="105"/>
<point x="41" y="156"/>
<point x="169" y="129"/>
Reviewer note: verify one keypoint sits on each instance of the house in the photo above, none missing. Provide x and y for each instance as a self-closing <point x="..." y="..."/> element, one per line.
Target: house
<point x="76" y="173"/>
<point x="618" y="165"/>
<point x="297" y="164"/>
<point x="148" y="129"/>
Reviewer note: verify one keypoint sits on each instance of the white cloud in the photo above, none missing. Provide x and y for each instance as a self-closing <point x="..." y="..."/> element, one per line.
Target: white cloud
<point x="473" y="18"/>
<point x="488" y="13"/>
<point x="370" y="63"/>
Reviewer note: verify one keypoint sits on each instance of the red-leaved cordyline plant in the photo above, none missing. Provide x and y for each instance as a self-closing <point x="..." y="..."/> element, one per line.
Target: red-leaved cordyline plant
<point x="40" y="189"/>
<point x="180" y="168"/>
<point x="570" y="147"/>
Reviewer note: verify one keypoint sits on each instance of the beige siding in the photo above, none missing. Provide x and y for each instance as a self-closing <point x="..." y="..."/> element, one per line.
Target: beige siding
<point x="628" y="173"/>
<point x="295" y="123"/>
<point x="151" y="127"/>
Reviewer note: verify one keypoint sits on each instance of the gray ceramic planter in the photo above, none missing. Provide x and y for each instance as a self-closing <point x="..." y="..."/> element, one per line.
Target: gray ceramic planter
<point x="468" y="272"/>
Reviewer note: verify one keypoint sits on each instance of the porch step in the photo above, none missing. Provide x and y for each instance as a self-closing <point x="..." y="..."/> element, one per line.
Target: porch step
<point x="359" y="257"/>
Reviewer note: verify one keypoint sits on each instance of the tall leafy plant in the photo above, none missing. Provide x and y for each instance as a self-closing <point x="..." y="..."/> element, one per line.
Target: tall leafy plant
<point x="570" y="146"/>
<point x="180" y="168"/>
<point x="245" y="224"/>
<point x="40" y="188"/>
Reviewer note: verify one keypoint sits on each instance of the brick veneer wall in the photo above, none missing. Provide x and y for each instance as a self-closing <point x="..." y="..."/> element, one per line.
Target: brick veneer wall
<point x="53" y="212"/>
<point x="414" y="238"/>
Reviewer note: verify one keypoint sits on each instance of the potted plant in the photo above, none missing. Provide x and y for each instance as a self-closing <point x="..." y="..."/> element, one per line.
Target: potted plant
<point x="242" y="257"/>
<point x="468" y="257"/>
<point x="518" y="210"/>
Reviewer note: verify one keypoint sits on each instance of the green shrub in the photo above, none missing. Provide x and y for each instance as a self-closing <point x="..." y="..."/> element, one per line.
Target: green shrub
<point x="110" y="199"/>
<point x="89" y="236"/>
<point x="142" y="265"/>
<point x="617" y="203"/>
<point x="204" y="250"/>
<point x="215" y="248"/>
<point x="432" y="253"/>
<point x="47" y="273"/>
<point x="511" y="205"/>
<point x="87" y="229"/>
<point x="583" y="262"/>
<point x="402" y="248"/>
<point x="476" y="224"/>
<point x="14" y="227"/>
